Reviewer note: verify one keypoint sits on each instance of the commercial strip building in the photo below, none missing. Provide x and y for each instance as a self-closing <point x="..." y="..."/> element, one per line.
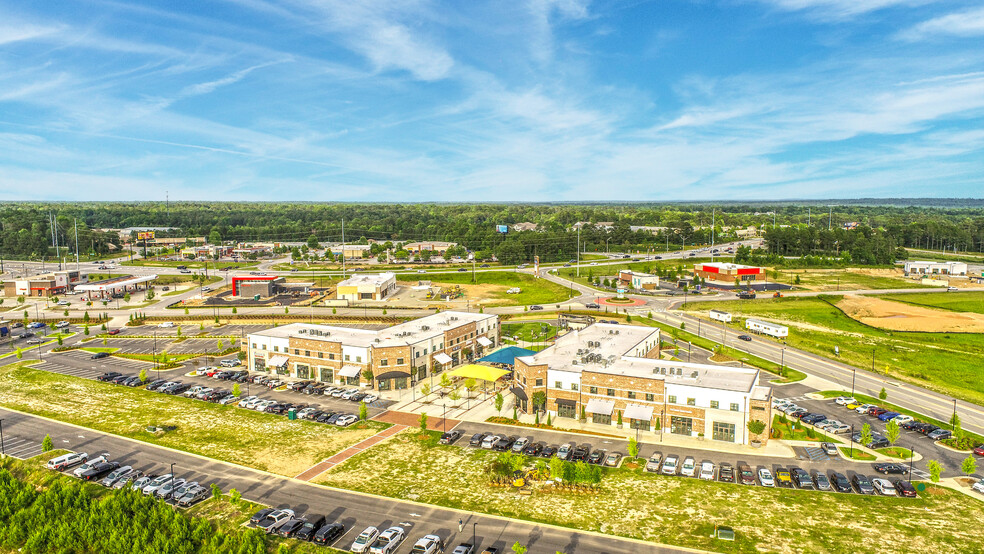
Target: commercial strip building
<point x="628" y="279"/>
<point x="935" y="268"/>
<point x="437" y="248"/>
<point x="727" y="273"/>
<point x="394" y="356"/>
<point x="368" y="286"/>
<point x="45" y="284"/>
<point x="605" y="370"/>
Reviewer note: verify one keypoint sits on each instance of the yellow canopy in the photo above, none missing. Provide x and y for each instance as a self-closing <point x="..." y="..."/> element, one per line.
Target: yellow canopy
<point x="476" y="371"/>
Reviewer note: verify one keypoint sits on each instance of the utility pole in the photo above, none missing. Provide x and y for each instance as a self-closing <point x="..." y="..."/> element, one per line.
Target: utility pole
<point x="712" y="234"/>
<point x="76" y="244"/>
<point x="578" y="251"/>
<point x="343" y="248"/>
<point x="830" y="216"/>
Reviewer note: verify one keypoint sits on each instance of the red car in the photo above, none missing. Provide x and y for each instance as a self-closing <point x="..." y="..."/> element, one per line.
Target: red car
<point x="979" y="450"/>
<point x="114" y="331"/>
<point x="876" y="411"/>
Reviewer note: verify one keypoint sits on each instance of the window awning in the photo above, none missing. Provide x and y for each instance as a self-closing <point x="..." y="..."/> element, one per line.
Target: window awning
<point x="393" y="375"/>
<point x="566" y="402"/>
<point x="277" y="361"/>
<point x="349" y="371"/>
<point x="484" y="341"/>
<point x="476" y="371"/>
<point x="520" y="393"/>
<point x="442" y="358"/>
<point x="600" y="407"/>
<point x="636" y="411"/>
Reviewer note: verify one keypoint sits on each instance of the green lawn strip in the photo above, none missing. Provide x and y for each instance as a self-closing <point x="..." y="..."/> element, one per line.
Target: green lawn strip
<point x="672" y="510"/>
<point x="97" y="349"/>
<point x="529" y="331"/>
<point x="801" y="432"/>
<point x="895" y="452"/>
<point x="848" y="280"/>
<point x="865" y="399"/>
<point x="956" y="302"/>
<point x="533" y="290"/>
<point x="816" y="325"/>
<point x="189" y="264"/>
<point x="263" y="441"/>
<point x="856" y="454"/>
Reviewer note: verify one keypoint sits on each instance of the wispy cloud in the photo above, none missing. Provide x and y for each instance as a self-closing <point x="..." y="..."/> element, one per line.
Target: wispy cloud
<point x="841" y="9"/>
<point x="968" y="23"/>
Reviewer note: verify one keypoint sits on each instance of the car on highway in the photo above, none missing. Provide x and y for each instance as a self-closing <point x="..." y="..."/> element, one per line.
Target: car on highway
<point x="329" y="533"/>
<point x="670" y="465"/>
<point x="765" y="478"/>
<point x="706" y="471"/>
<point x="365" y="538"/>
<point x="840" y="482"/>
<point x="535" y="307"/>
<point x="744" y="337"/>
<point x="884" y="487"/>
<point x="388" y="541"/>
<point x="653" y="464"/>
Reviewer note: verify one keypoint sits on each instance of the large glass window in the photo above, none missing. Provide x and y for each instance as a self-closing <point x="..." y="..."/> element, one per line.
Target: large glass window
<point x="723" y="432"/>
<point x="631" y="395"/>
<point x="259" y="364"/>
<point x="566" y="410"/>
<point x="681" y="425"/>
<point x="353" y="381"/>
<point x="601" y="418"/>
<point x="734" y="407"/>
<point x="639" y="424"/>
<point x="611" y="392"/>
<point x="303" y="371"/>
<point x="327" y="374"/>
<point x="385" y="384"/>
<point x="400" y="383"/>
<point x="671" y="399"/>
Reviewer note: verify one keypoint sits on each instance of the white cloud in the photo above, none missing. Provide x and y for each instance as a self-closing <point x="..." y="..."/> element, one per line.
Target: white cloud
<point x="962" y="24"/>
<point x="841" y="9"/>
<point x="17" y="31"/>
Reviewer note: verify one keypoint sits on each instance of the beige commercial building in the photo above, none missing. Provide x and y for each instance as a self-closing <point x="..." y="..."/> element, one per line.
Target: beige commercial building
<point x="388" y="359"/>
<point x="367" y="286"/>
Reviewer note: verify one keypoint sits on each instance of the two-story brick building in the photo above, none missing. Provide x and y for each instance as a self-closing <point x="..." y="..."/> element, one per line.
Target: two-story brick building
<point x="605" y="370"/>
<point x="395" y="355"/>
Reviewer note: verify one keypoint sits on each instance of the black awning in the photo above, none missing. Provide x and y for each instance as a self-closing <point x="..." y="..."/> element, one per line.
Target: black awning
<point x="519" y="392"/>
<point x="566" y="402"/>
<point x="392" y="375"/>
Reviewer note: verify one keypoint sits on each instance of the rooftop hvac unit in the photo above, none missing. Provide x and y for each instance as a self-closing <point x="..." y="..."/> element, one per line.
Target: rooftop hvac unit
<point x="377" y="339"/>
<point x="662" y="370"/>
<point x="616" y="331"/>
<point x="454" y="318"/>
<point x="679" y="371"/>
<point x="302" y="331"/>
<point x="425" y="328"/>
<point x="694" y="374"/>
<point x="574" y="361"/>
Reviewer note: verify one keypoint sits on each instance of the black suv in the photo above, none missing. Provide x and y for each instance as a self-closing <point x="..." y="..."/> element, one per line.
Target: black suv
<point x="726" y="473"/>
<point x="841" y="484"/>
<point x="329" y="533"/>
<point x="307" y="531"/>
<point x="579" y="454"/>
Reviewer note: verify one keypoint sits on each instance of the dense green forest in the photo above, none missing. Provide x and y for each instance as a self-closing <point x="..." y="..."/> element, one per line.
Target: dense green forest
<point x="67" y="518"/>
<point x="27" y="233"/>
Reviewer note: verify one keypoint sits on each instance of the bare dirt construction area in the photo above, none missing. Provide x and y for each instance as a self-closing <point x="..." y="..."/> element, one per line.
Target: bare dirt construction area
<point x="896" y="316"/>
<point x="476" y="294"/>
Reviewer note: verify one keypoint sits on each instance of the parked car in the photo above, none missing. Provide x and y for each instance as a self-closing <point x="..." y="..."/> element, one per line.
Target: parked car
<point x="157" y="483"/>
<point x="98" y="471"/>
<point x="801" y="478"/>
<point x="99" y="355"/>
<point x="689" y="467"/>
<point x="519" y="445"/>
<point x="127" y="479"/>
<point x="533" y="449"/>
<point x="346" y="420"/>
<point x="564" y="451"/>
<point x="863" y="408"/>
<point x="433" y="544"/>
<point x="592" y="306"/>
<point x="309" y="528"/>
<point x="884" y="487"/>
<point x="670" y="465"/>
<point x="841" y="484"/>
<point x="612" y="459"/>
<point x="597" y="457"/>
<point x="905" y="488"/>
<point x="450" y="437"/>
<point x="745" y="475"/>
<point x="365" y="538"/>
<point x="548" y="452"/>
<point x="653" y="464"/>
<point x="112" y="477"/>
<point x="821" y="481"/>
<point x="844" y="400"/>
<point x="65" y="461"/>
<point x="388" y="541"/>
<point x="167" y="489"/>
<point x="274" y="520"/>
<point x="902" y="419"/>
<point x="476" y="439"/>
<point x="192" y="495"/>
<point x="579" y="454"/>
<point x="940" y="434"/>
<point x="726" y="473"/>
<point x="862" y="484"/>
<point x="979" y="450"/>
<point x="328" y="534"/>
<point x="765" y="478"/>
<point x="290" y="528"/>
<point x="706" y="471"/>
<point x="784" y="478"/>
<point x="166" y="325"/>
<point x="89" y="463"/>
<point x="978" y="486"/>
<point x="888" y="416"/>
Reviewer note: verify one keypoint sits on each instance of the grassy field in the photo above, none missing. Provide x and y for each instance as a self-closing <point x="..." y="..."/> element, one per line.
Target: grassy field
<point x="835" y="280"/>
<point x="946" y="362"/>
<point x="529" y="331"/>
<point x="800" y="433"/>
<point x="534" y="291"/>
<point x="673" y="510"/>
<point x="957" y="302"/>
<point x="263" y="441"/>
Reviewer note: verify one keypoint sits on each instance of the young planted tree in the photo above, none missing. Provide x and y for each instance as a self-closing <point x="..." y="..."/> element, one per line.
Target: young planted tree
<point x="363" y="411"/>
<point x="143" y="375"/>
<point x="892" y="432"/>
<point x="969" y="465"/>
<point x="865" y="434"/>
<point x="425" y="389"/>
<point x="935" y="469"/>
<point x="633" y="447"/>
<point x="47" y="445"/>
<point x="499" y="401"/>
<point x="422" y="421"/>
<point x="883" y="394"/>
<point x="237" y="391"/>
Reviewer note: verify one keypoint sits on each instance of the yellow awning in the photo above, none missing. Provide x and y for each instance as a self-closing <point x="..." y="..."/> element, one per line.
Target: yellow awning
<point x="476" y="371"/>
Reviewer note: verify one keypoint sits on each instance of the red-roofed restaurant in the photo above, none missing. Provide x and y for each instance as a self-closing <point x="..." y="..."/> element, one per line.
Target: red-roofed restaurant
<point x="725" y="273"/>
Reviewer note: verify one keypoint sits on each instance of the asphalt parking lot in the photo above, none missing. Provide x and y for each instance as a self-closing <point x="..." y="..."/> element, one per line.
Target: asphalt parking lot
<point x="80" y="364"/>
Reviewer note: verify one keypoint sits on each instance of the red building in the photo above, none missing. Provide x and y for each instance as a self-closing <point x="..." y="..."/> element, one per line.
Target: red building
<point x="728" y="273"/>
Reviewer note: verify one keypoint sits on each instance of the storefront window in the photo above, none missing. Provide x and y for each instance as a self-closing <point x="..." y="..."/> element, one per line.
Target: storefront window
<point x="566" y="410"/>
<point x="724" y="432"/>
<point x="303" y="371"/>
<point x="643" y="424"/>
<point x="601" y="418"/>
<point x="353" y="381"/>
<point x="327" y="374"/>
<point x="400" y="383"/>
<point x="259" y="364"/>
<point x="681" y="425"/>
<point x="385" y="384"/>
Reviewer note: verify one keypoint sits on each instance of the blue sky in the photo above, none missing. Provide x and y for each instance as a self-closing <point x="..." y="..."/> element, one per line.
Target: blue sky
<point x="322" y="100"/>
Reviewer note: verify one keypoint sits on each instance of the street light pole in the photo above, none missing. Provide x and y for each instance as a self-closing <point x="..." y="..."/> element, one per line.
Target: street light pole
<point x="953" y="420"/>
<point x="854" y="375"/>
<point x="444" y="418"/>
<point x="171" y="492"/>
<point x="474" y="535"/>
<point x="3" y="451"/>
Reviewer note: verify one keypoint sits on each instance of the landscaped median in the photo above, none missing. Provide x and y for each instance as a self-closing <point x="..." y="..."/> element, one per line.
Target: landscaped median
<point x="263" y="441"/>
<point x="673" y="510"/>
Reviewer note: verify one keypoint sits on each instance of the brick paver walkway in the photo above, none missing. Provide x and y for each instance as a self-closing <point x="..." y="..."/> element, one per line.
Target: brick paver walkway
<point x="408" y="419"/>
<point x="323" y="466"/>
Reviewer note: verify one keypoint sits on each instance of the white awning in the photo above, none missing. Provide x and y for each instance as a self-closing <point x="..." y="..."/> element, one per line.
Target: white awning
<point x="600" y="407"/>
<point x="349" y="371"/>
<point x="636" y="411"/>
<point x="484" y="341"/>
<point x="442" y="358"/>
<point x="277" y="361"/>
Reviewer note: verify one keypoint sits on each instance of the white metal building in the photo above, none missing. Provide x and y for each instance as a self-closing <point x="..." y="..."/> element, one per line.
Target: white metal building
<point x="935" y="268"/>
<point x="718" y="315"/>
<point x="766" y="328"/>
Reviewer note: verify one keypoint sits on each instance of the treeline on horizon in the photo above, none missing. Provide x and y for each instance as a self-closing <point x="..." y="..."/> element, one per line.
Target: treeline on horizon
<point x="26" y="230"/>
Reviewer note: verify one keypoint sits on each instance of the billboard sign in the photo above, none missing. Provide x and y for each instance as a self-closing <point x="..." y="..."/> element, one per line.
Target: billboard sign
<point x="502" y="229"/>
<point x="148" y="235"/>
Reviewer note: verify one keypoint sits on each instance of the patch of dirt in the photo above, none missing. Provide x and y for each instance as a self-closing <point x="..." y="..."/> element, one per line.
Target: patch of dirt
<point x="896" y="316"/>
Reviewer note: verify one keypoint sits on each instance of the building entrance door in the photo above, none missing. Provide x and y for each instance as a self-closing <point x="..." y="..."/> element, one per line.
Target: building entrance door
<point x="681" y="425"/>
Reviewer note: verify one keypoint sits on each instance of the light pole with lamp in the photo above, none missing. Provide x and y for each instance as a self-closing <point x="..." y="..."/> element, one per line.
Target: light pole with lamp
<point x="171" y="492"/>
<point x="475" y="535"/>
<point x="444" y="417"/>
<point x="854" y="375"/>
<point x="3" y="451"/>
